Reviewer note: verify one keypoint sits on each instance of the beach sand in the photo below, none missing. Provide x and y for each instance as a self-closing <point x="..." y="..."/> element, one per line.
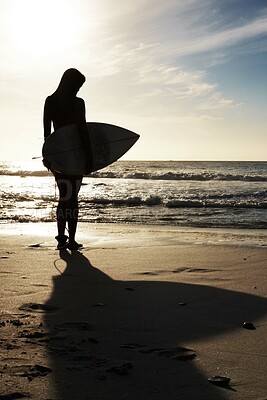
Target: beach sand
<point x="142" y="312"/>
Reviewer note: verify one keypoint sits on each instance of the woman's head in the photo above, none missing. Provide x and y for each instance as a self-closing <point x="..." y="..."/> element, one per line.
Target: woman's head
<point x="71" y="81"/>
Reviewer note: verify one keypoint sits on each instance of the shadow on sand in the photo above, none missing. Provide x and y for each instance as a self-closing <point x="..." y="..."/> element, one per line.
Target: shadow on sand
<point x="120" y="339"/>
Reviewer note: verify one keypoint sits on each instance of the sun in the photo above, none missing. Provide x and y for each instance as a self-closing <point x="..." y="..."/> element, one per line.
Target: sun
<point x="42" y="27"/>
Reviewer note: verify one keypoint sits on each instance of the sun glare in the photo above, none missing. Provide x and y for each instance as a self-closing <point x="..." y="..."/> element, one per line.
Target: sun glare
<point x="42" y="28"/>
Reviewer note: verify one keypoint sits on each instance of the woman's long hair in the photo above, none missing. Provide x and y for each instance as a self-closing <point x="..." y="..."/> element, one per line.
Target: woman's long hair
<point x="70" y="83"/>
<point x="65" y="95"/>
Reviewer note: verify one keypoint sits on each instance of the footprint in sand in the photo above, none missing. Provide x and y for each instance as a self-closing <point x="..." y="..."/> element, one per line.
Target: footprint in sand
<point x="36" y="307"/>
<point x="177" y="353"/>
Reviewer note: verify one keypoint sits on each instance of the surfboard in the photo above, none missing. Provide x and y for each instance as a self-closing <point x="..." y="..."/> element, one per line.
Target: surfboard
<point x="63" y="149"/>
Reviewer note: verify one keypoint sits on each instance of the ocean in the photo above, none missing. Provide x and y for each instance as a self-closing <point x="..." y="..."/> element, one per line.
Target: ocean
<point x="176" y="193"/>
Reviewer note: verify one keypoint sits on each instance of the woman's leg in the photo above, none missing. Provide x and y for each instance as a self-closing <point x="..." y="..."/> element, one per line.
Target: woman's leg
<point x="63" y="188"/>
<point x="73" y="207"/>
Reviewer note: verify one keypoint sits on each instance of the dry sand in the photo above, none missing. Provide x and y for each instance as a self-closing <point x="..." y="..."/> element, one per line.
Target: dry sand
<point x="142" y="312"/>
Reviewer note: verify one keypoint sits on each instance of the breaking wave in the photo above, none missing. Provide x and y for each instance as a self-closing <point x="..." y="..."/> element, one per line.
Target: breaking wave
<point x="167" y="176"/>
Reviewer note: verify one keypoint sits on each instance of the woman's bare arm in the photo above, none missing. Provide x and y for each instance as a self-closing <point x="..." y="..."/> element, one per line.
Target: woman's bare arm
<point x="47" y="121"/>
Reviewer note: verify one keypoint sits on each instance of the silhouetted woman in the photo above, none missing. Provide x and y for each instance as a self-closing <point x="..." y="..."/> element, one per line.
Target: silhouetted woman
<point x="63" y="108"/>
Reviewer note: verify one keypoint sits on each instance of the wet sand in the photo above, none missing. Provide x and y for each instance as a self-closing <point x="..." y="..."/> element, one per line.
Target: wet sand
<point x="142" y="312"/>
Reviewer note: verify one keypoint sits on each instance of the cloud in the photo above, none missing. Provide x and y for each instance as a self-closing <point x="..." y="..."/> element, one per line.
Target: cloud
<point x="189" y="28"/>
<point x="216" y="101"/>
<point x="147" y="42"/>
<point x="175" y="81"/>
<point x="138" y="76"/>
<point x="226" y="38"/>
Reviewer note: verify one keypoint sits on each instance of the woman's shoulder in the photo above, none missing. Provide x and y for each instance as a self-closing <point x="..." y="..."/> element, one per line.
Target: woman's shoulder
<point x="50" y="98"/>
<point x="79" y="100"/>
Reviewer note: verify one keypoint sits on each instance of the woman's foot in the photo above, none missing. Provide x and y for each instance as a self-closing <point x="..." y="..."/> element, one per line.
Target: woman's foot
<point x="74" y="246"/>
<point x="62" y="242"/>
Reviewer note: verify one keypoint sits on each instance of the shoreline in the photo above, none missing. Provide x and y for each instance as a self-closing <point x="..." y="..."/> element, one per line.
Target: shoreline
<point x="147" y="312"/>
<point x="224" y="236"/>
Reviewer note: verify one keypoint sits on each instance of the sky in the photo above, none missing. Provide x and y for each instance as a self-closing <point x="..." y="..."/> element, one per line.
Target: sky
<point x="189" y="76"/>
